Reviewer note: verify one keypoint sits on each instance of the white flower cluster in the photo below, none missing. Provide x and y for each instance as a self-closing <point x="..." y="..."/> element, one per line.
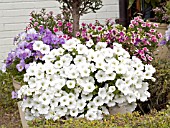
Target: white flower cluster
<point x="80" y="81"/>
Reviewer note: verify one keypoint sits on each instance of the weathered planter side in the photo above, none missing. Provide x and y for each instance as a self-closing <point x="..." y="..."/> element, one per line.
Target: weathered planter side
<point x="17" y="86"/>
<point x="162" y="52"/>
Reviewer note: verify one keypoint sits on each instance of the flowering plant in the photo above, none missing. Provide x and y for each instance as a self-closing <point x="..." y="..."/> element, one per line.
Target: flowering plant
<point x="57" y="24"/>
<point x="18" y="60"/>
<point x="162" y="13"/>
<point x="140" y="39"/>
<point x="144" y="37"/>
<point x="83" y="80"/>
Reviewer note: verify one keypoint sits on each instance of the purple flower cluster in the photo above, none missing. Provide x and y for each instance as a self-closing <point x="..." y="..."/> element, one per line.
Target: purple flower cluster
<point x="24" y="53"/>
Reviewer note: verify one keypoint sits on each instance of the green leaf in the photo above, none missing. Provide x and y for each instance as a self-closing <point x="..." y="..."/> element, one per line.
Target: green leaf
<point x="131" y="3"/>
<point x="147" y="1"/>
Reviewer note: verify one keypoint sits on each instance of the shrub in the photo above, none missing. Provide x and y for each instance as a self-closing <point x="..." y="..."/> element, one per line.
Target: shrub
<point x="153" y="120"/>
<point x="6" y="102"/>
<point x="160" y="88"/>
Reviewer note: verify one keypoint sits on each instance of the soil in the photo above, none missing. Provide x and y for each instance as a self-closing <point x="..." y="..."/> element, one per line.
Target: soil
<point x="10" y="118"/>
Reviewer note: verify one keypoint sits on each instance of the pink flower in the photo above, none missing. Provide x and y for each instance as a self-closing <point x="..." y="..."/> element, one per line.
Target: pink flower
<point x="133" y="22"/>
<point x="140" y="20"/>
<point x="160" y="35"/>
<point x="131" y="26"/>
<point x="145" y="49"/>
<point x="93" y="27"/>
<point x="154" y="39"/>
<point x="139" y="29"/>
<point x="143" y="57"/>
<point x="141" y="52"/>
<point x="152" y="30"/>
<point x="137" y="18"/>
<point x="55" y="29"/>
<point x="148" y="25"/>
<point x="83" y="24"/>
<point x="35" y="24"/>
<point x="77" y="34"/>
<point x="60" y="23"/>
<point x="69" y="24"/>
<point x="155" y="25"/>
<point x="143" y="25"/>
<point x="99" y="28"/>
<point x="70" y="29"/>
<point x="90" y="25"/>
<point x="149" y="57"/>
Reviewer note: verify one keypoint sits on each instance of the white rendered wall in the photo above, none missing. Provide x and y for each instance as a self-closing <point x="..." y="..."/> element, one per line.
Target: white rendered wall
<point x="14" y="17"/>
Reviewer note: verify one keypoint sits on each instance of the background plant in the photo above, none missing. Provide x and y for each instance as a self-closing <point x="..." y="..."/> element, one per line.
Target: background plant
<point x="79" y="7"/>
<point x="161" y="13"/>
<point x="135" y="120"/>
<point x="160" y="89"/>
<point x="58" y="24"/>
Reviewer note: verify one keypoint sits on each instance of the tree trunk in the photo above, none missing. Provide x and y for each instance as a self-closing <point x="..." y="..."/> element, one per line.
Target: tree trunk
<point x="76" y="16"/>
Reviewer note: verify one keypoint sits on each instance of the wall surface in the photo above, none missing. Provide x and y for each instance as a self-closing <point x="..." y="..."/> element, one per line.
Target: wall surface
<point x="14" y="17"/>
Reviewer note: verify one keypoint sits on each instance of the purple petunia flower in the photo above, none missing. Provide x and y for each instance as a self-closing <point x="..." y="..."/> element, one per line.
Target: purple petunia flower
<point x="30" y="45"/>
<point x="20" y="67"/>
<point x="38" y="55"/>
<point x="14" y="95"/>
<point x="62" y="41"/>
<point x="55" y="40"/>
<point x="163" y="42"/>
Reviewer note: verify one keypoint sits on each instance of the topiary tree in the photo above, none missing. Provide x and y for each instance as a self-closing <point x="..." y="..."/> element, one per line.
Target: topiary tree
<point x="78" y="8"/>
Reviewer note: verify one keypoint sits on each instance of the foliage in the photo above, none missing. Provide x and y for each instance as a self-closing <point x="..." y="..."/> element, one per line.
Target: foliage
<point x="162" y="13"/>
<point x="154" y="3"/>
<point x="160" y="89"/>
<point x="135" y="120"/>
<point x="6" y="88"/>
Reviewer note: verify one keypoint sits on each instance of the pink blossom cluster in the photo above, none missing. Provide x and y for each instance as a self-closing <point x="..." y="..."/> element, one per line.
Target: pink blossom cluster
<point x="140" y="38"/>
<point x="59" y="24"/>
<point x="144" y="36"/>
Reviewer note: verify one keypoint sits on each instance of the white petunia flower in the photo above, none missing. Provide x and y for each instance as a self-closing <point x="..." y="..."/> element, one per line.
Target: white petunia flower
<point x="102" y="93"/>
<point x="45" y="49"/>
<point x="100" y="76"/>
<point x="89" y="87"/>
<point x="44" y="99"/>
<point x="89" y="43"/>
<point x="31" y="31"/>
<point x="111" y="89"/>
<point x="43" y="109"/>
<point x="98" y="101"/>
<point x="81" y="104"/>
<point x="64" y="101"/>
<point x="74" y="112"/>
<point x="58" y="64"/>
<point x="87" y="97"/>
<point x="70" y="83"/>
<point x="82" y="49"/>
<point x="37" y="45"/>
<point x="79" y="59"/>
<point x="90" y="115"/>
<point x="92" y="106"/>
<point x="100" y="45"/>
